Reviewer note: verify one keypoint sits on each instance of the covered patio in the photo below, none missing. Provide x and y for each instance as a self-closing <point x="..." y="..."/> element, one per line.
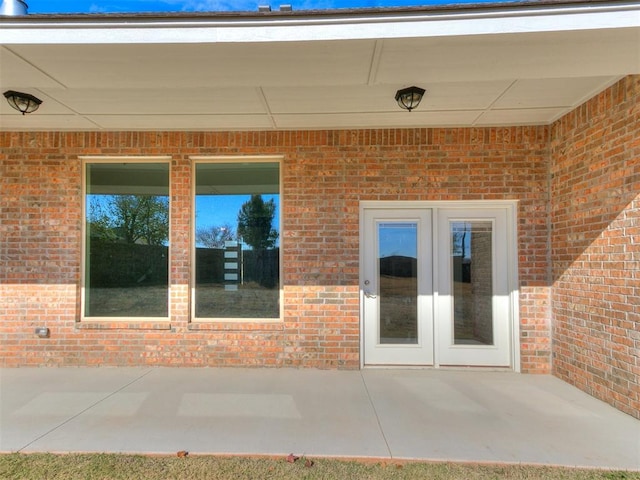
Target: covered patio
<point x="536" y="104"/>
<point x="460" y="416"/>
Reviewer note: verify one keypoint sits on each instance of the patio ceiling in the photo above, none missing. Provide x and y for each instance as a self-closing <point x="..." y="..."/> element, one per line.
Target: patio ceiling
<point x="525" y="63"/>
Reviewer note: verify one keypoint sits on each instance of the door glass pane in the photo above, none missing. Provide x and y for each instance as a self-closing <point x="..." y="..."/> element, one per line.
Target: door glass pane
<point x="127" y="242"/>
<point x="398" y="282"/>
<point x="472" y="275"/>
<point x="237" y="240"/>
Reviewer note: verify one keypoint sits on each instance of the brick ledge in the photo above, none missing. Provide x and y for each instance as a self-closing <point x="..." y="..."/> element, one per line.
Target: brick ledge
<point x="227" y="326"/>
<point x="120" y="325"/>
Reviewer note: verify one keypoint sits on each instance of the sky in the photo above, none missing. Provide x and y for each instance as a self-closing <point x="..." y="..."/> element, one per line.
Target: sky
<point x="398" y="239"/>
<point x="128" y="6"/>
<point x="219" y="210"/>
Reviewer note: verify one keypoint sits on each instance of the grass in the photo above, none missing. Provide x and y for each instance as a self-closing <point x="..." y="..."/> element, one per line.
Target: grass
<point x="109" y="466"/>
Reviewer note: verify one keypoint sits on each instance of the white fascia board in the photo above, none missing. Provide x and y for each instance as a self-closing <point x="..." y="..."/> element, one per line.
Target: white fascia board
<point x="23" y="31"/>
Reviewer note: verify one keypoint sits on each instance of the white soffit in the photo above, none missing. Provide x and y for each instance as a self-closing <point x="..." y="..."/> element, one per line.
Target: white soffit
<point x="527" y="55"/>
<point x="375" y="98"/>
<point x="194" y="66"/>
<point x="379" y="120"/>
<point x="181" y="122"/>
<point x="509" y="65"/>
<point x="549" y="92"/>
<point x="159" y="101"/>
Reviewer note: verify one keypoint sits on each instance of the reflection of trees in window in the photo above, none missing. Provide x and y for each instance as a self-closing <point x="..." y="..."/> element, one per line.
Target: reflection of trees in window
<point x="460" y="240"/>
<point x="255" y="220"/>
<point x="142" y="219"/>
<point x="215" y="236"/>
<point x="255" y="227"/>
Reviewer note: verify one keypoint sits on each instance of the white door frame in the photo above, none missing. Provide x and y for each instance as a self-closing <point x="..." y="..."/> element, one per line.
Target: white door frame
<point x="421" y="352"/>
<point x="510" y="206"/>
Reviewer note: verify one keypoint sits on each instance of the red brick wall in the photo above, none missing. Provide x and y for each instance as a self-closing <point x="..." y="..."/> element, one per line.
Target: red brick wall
<point x="326" y="174"/>
<point x="481" y="270"/>
<point x="595" y="213"/>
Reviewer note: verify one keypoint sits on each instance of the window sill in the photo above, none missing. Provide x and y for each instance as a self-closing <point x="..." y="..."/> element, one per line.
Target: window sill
<point x="122" y="325"/>
<point x="236" y="325"/>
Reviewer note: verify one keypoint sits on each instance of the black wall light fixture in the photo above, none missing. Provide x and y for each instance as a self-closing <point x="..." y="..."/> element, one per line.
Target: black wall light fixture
<point x="23" y="102"/>
<point x="409" y="98"/>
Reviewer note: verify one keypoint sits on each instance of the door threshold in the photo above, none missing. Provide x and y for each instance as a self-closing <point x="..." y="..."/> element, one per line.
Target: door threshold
<point x="450" y="368"/>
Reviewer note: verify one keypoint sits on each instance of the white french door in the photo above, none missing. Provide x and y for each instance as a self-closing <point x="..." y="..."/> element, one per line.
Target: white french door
<point x="397" y="291"/>
<point x="473" y="294"/>
<point x="435" y="285"/>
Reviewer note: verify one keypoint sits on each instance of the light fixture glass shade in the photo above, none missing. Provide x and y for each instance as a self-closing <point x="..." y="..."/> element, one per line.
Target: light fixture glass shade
<point x="409" y="98"/>
<point x="23" y="102"/>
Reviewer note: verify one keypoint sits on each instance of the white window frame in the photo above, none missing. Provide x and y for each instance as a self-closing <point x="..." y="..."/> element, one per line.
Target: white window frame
<point x="91" y="160"/>
<point x="204" y="159"/>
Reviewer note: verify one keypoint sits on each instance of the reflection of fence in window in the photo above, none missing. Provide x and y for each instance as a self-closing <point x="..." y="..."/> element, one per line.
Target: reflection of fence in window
<point x="246" y="286"/>
<point x="254" y="267"/>
<point x="127" y="280"/>
<point x="128" y="265"/>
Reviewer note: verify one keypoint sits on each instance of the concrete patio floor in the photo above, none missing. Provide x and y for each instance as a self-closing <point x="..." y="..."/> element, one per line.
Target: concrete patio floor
<point x="436" y="415"/>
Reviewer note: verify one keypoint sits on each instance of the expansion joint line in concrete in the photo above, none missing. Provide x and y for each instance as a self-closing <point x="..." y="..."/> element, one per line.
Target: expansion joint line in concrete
<point x="366" y="389"/>
<point x="84" y="410"/>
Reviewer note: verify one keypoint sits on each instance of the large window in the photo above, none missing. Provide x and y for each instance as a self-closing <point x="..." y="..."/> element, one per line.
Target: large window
<point x="237" y="237"/>
<point x="126" y="264"/>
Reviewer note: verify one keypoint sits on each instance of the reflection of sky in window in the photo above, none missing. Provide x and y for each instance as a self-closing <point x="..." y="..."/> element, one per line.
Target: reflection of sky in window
<point x="398" y="239"/>
<point x="219" y="210"/>
<point x="461" y="233"/>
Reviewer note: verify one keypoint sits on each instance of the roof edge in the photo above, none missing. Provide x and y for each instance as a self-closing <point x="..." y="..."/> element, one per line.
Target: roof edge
<point x="346" y="12"/>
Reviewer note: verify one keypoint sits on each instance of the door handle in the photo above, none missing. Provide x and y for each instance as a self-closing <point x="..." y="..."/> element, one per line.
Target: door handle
<point x="368" y="294"/>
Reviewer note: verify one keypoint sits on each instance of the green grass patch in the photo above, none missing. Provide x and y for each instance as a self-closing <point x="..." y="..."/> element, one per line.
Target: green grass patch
<point x="120" y="467"/>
